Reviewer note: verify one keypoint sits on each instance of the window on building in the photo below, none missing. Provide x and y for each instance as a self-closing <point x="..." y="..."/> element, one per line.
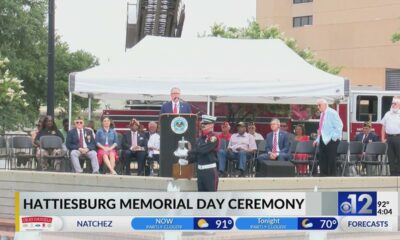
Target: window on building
<point x="302" y="21"/>
<point x="367" y="108"/>
<point x="393" y="79"/>
<point x="386" y="104"/>
<point x="301" y="1"/>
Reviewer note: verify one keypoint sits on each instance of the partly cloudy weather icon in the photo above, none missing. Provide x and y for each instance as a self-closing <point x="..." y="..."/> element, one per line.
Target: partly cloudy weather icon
<point x="306" y="224"/>
<point x="202" y="223"/>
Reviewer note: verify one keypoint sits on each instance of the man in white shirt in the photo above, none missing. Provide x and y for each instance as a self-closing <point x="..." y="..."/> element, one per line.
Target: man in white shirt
<point x="251" y="128"/>
<point x="153" y="144"/>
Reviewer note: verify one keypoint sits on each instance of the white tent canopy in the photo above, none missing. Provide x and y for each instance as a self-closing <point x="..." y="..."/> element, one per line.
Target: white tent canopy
<point x="231" y="70"/>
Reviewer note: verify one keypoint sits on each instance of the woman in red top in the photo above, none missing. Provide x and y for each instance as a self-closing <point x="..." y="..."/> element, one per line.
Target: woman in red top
<point x="225" y="135"/>
<point x="300" y="137"/>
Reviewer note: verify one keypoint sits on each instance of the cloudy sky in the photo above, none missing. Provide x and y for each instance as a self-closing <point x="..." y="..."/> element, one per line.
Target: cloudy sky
<point x="99" y="26"/>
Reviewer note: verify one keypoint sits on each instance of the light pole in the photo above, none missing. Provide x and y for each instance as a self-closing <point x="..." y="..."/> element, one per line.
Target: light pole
<point x="50" y="63"/>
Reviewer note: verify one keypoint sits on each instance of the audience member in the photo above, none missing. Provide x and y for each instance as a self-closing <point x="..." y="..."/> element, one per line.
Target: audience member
<point x="107" y="142"/>
<point x="225" y="136"/>
<point x="277" y="144"/>
<point x="81" y="142"/>
<point x="251" y="128"/>
<point x="48" y="128"/>
<point x="301" y="137"/>
<point x="134" y="144"/>
<point x="241" y="146"/>
<point x="366" y="136"/>
<point x="391" y="135"/>
<point x="329" y="136"/>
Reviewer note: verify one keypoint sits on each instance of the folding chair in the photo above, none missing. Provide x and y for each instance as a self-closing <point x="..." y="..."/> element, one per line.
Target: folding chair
<point x="22" y="152"/>
<point x="51" y="143"/>
<point x="292" y="148"/>
<point x="341" y="158"/>
<point x="375" y="155"/>
<point x="252" y="168"/>
<point x="233" y="162"/>
<point x="356" y="149"/>
<point x="304" y="149"/>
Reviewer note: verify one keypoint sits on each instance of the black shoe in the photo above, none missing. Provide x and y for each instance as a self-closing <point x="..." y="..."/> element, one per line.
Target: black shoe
<point x="221" y="174"/>
<point x="242" y="174"/>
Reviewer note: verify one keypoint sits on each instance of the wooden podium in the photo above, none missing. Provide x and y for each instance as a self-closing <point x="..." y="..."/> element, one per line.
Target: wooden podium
<point x="183" y="171"/>
<point x="172" y="128"/>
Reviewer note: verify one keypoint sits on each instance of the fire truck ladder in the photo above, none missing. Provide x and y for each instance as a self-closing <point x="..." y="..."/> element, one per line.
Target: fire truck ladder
<point x="154" y="17"/>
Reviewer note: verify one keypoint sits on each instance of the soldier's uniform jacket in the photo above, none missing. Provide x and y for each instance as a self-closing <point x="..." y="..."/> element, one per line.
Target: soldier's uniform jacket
<point x="205" y="149"/>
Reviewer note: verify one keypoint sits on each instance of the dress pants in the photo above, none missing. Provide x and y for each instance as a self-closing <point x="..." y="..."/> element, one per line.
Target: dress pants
<point x="207" y="180"/>
<point x="140" y="158"/>
<point x="327" y="157"/>
<point x="92" y="155"/>
<point x="393" y="153"/>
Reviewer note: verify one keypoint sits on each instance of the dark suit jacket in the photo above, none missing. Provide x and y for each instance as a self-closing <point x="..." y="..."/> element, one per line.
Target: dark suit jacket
<point x="371" y="137"/>
<point x="283" y="142"/>
<point x="73" y="139"/>
<point x="127" y="140"/>
<point x="184" y="107"/>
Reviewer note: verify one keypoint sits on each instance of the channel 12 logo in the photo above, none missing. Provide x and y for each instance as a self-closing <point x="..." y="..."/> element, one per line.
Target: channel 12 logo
<point x="357" y="204"/>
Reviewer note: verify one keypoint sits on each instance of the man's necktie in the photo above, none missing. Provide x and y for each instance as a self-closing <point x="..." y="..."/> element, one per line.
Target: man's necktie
<point x="274" y="144"/>
<point x="80" y="138"/>
<point x="321" y="123"/>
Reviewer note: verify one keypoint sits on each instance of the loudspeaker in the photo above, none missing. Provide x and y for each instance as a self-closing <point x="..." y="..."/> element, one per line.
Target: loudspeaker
<point x="268" y="168"/>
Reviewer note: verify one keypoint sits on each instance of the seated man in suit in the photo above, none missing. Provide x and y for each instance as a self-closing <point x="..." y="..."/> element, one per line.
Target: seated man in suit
<point x="241" y="146"/>
<point x="134" y="144"/>
<point x="277" y="147"/>
<point x="80" y="141"/>
<point x="367" y="136"/>
<point x="176" y="105"/>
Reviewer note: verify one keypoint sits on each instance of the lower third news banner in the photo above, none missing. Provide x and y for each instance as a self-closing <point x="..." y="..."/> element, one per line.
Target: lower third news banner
<point x="194" y="211"/>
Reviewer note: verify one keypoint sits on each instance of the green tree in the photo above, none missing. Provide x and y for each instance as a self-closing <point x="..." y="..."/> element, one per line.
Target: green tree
<point x="254" y="31"/>
<point x="12" y="99"/>
<point x="23" y="40"/>
<point x="396" y="37"/>
<point x="243" y="112"/>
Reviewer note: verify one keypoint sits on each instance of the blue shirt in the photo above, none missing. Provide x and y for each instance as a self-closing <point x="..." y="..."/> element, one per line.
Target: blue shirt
<point x="104" y="137"/>
<point x="332" y="126"/>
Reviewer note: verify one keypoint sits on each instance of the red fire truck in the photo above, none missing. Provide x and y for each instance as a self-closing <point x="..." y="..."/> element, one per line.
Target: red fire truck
<point x="364" y="106"/>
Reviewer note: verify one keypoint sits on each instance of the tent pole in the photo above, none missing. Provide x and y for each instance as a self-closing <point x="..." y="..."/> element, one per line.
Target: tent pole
<point x="90" y="107"/>
<point x="69" y="110"/>
<point x="348" y="134"/>
<point x="208" y="104"/>
<point x="348" y="118"/>
<point x="213" y="108"/>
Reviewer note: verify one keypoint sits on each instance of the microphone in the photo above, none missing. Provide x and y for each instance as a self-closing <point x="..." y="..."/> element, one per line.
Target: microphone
<point x="199" y="111"/>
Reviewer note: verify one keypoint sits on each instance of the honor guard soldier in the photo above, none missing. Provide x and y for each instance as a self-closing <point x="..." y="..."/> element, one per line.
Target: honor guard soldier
<point x="205" y="153"/>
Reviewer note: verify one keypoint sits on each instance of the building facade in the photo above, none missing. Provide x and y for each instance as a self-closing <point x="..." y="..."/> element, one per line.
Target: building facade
<point x="353" y="34"/>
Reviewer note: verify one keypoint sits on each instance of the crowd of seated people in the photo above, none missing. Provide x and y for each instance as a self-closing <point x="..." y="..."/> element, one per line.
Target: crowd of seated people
<point x="103" y="147"/>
